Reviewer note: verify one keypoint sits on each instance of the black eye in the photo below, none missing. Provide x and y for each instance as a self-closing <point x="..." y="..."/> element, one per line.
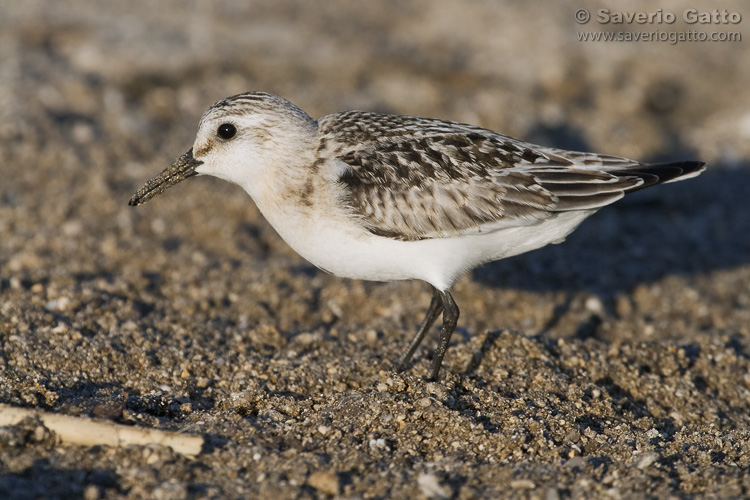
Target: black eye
<point x="226" y="131"/>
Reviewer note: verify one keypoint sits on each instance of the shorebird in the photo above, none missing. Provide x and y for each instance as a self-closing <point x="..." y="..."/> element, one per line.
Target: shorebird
<point x="383" y="197"/>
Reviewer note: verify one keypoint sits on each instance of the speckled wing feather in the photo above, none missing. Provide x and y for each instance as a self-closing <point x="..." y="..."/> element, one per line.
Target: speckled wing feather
<point x="413" y="178"/>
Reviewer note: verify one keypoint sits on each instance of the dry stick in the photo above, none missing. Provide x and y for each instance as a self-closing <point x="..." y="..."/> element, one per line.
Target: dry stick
<point x="87" y="432"/>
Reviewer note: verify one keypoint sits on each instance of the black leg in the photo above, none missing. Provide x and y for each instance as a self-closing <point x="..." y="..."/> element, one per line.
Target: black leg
<point x="450" y="318"/>
<point x="436" y="307"/>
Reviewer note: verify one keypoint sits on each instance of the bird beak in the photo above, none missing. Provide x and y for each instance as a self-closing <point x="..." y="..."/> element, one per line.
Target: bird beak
<point x="182" y="168"/>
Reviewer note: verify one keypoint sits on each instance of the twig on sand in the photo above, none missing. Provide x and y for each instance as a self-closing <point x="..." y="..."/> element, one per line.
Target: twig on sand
<point x="86" y="432"/>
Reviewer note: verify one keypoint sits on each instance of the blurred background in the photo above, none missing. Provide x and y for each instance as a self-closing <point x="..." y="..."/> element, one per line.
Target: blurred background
<point x="96" y="98"/>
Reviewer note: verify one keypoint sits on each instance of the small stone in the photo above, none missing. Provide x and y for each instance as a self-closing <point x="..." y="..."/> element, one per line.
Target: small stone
<point x="130" y="326"/>
<point x="430" y="487"/>
<point x="677" y="417"/>
<point x="242" y="399"/>
<point x="522" y="484"/>
<point x="110" y="410"/>
<point x="372" y="337"/>
<point x="594" y="304"/>
<point x="60" y="304"/>
<point x="152" y="458"/>
<point x="306" y="338"/>
<point x="645" y="461"/>
<point x="324" y="481"/>
<point x="91" y="492"/>
<point x="652" y="433"/>
<point x="552" y="494"/>
<point x="377" y="444"/>
<point x="60" y="328"/>
<point x="40" y="433"/>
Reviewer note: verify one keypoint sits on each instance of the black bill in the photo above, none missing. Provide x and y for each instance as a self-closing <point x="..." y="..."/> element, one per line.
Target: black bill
<point x="182" y="168"/>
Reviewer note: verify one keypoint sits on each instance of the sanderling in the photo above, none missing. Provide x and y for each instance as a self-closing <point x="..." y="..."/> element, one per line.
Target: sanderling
<point x="381" y="197"/>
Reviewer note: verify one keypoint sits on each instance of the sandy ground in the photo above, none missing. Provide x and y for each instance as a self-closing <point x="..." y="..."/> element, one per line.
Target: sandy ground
<point x="615" y="365"/>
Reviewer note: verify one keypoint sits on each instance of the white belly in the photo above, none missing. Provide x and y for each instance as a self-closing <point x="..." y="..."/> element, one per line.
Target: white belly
<point x="340" y="246"/>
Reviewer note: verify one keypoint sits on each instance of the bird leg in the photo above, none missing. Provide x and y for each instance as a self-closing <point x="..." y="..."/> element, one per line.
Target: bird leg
<point x="450" y="318"/>
<point x="436" y="307"/>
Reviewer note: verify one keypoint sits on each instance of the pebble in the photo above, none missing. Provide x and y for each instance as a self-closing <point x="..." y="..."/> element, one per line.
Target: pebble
<point x="645" y="460"/>
<point x="430" y="487"/>
<point x="594" y="304"/>
<point x="324" y="481"/>
<point x="91" y="492"/>
<point x="522" y="484"/>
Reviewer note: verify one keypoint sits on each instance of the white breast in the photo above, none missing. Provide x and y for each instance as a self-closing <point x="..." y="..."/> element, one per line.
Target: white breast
<point x="335" y="242"/>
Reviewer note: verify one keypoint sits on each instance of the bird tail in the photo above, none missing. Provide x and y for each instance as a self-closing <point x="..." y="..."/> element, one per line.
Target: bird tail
<point x="660" y="173"/>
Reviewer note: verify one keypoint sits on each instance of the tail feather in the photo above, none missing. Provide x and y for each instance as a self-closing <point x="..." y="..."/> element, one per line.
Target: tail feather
<point x="660" y="173"/>
<point x="579" y="191"/>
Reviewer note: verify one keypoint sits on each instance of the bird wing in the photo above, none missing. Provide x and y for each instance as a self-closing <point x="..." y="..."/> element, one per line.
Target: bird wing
<point x="413" y="178"/>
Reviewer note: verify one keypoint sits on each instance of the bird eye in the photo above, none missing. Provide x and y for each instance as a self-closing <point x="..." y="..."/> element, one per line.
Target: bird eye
<point x="227" y="131"/>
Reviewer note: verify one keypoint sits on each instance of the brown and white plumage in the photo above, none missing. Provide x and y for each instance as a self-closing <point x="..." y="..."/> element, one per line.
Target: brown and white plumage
<point x="383" y="197"/>
<point x="414" y="178"/>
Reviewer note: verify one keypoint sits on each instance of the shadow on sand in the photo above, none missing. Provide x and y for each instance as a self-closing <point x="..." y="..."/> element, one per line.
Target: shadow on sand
<point x="691" y="227"/>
